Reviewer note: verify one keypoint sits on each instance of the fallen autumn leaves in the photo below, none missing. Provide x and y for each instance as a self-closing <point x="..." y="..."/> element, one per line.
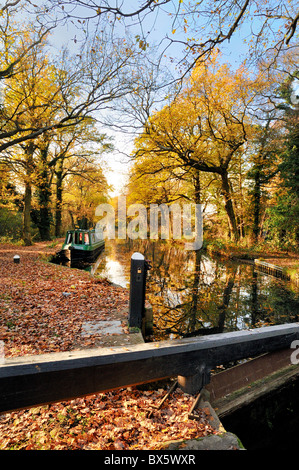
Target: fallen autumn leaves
<point x="44" y="305"/>
<point x="38" y="317"/>
<point x="112" y="421"/>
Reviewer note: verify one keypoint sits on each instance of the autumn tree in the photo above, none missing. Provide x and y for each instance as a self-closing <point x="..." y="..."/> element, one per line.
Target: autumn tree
<point x="14" y="50"/>
<point x="290" y="165"/>
<point x="46" y="96"/>
<point x="263" y="160"/>
<point x="84" y="190"/>
<point x="282" y="221"/>
<point x="96" y="72"/>
<point x="72" y="150"/>
<point x="18" y="39"/>
<point x="205" y="127"/>
<point x="31" y="98"/>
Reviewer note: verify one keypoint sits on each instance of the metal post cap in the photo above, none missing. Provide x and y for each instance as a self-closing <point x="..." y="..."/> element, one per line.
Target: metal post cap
<point x="137" y="255"/>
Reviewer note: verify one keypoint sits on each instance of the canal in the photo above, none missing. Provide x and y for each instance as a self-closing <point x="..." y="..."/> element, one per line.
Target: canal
<point x="193" y="294"/>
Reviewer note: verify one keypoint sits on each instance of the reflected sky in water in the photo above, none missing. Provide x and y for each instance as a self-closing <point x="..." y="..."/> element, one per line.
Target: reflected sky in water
<point x="115" y="272"/>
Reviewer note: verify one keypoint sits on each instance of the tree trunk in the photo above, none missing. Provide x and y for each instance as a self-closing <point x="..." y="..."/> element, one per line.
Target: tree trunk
<point x="44" y="195"/>
<point x="26" y="215"/>
<point x="228" y="204"/>
<point x="26" y="231"/>
<point x="197" y="188"/>
<point x="256" y="205"/>
<point x="58" y="208"/>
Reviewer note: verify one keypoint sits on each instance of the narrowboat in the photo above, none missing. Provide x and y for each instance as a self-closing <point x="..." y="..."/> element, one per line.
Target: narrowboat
<point x="81" y="246"/>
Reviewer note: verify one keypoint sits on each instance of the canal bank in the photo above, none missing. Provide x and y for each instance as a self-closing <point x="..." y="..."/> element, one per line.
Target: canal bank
<point x="286" y="264"/>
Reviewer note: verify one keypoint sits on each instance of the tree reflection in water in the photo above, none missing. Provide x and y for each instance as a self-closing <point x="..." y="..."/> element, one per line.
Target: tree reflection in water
<point x="193" y="294"/>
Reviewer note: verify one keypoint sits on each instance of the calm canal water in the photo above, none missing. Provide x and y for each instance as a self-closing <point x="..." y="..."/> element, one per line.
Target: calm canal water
<point x="194" y="294"/>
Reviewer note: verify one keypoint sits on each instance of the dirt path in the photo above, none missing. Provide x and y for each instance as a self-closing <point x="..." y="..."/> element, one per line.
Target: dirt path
<point x="43" y="306"/>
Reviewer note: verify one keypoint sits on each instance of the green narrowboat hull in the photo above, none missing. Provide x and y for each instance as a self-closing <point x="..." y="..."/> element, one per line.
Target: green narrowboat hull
<point x="82" y="245"/>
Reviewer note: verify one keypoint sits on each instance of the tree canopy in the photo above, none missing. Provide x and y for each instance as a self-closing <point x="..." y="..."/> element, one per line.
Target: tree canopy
<point x="205" y="129"/>
<point x="222" y="133"/>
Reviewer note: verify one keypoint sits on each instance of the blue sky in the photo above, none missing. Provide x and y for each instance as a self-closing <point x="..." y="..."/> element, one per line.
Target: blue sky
<point x="233" y="52"/>
<point x="160" y="26"/>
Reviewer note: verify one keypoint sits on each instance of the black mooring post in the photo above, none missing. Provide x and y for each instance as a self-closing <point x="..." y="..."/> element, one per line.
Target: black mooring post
<point x="137" y="290"/>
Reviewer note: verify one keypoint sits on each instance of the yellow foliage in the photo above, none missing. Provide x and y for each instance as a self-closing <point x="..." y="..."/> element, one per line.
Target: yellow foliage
<point x="208" y="121"/>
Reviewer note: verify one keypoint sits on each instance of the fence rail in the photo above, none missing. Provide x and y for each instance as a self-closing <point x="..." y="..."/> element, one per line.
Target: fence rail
<point x="35" y="380"/>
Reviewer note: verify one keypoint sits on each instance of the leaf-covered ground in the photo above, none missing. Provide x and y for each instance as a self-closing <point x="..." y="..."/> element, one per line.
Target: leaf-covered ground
<point x="43" y="307"/>
<point x="117" y="420"/>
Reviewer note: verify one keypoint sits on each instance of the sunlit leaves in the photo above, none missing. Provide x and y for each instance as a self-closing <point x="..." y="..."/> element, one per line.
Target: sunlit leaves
<point x="205" y="129"/>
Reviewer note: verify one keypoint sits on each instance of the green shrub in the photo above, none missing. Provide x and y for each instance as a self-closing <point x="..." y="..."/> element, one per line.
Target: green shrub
<point x="10" y="225"/>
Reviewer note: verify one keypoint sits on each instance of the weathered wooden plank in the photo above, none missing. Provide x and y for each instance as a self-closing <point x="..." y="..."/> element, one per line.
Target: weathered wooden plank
<point x="242" y="375"/>
<point x="243" y="397"/>
<point x="30" y="381"/>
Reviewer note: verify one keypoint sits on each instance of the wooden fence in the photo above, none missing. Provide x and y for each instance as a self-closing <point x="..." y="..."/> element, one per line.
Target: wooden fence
<point x="35" y="380"/>
<point x="271" y="269"/>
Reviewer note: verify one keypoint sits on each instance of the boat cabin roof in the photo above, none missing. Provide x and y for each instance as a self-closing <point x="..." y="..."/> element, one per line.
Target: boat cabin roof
<point x="81" y="230"/>
<point x="80" y="237"/>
